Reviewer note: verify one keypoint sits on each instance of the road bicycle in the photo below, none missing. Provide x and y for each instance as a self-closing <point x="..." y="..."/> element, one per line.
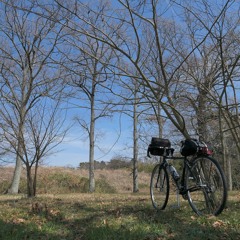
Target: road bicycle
<point x="201" y="182"/>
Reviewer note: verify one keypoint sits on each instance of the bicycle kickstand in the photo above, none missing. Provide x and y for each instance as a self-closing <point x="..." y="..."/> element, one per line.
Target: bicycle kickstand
<point x="177" y="205"/>
<point x="178" y="198"/>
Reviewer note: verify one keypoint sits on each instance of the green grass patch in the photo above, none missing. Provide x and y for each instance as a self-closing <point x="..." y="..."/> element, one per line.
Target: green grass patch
<point x="110" y="216"/>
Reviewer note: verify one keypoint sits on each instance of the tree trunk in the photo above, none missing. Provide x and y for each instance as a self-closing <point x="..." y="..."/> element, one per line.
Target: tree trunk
<point x="160" y="121"/>
<point x="227" y="166"/>
<point x="135" y="148"/>
<point x="14" y="188"/>
<point x="229" y="174"/>
<point x="35" y="178"/>
<point x="30" y="187"/>
<point x="202" y="116"/>
<point x="91" y="149"/>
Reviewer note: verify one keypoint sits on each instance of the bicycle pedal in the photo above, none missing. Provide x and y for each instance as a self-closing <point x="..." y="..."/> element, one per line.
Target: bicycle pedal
<point x="175" y="206"/>
<point x="184" y="196"/>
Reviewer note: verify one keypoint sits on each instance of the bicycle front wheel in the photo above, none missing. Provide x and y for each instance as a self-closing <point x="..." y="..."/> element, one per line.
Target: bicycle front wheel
<point x="159" y="187"/>
<point x="206" y="185"/>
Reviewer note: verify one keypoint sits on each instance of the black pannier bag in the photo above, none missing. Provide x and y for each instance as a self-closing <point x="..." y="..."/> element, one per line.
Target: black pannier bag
<point x="192" y="146"/>
<point x="189" y="147"/>
<point x="157" y="146"/>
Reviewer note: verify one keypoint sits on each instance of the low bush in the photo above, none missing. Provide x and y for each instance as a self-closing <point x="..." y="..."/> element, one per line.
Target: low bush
<point x="64" y="182"/>
<point x="58" y="180"/>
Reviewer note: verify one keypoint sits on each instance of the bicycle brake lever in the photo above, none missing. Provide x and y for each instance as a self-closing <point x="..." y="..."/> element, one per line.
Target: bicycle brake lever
<point x="148" y="153"/>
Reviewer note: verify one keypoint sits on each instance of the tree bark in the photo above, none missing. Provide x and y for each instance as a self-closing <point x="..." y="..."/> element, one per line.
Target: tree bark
<point x="225" y="156"/>
<point x="201" y="115"/>
<point x="91" y="145"/>
<point x="14" y="188"/>
<point x="30" y="187"/>
<point x="135" y="145"/>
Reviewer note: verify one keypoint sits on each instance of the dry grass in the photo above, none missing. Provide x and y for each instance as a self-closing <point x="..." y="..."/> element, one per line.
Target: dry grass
<point x="48" y="177"/>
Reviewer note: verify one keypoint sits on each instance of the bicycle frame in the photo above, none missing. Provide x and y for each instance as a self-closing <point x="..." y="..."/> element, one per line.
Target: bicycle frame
<point x="180" y="184"/>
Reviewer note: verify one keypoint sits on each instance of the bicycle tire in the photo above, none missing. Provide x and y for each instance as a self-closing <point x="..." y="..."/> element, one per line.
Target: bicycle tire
<point x="206" y="184"/>
<point x="159" y="187"/>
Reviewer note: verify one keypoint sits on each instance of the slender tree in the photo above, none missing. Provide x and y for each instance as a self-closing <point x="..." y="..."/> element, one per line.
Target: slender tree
<point x="92" y="80"/>
<point x="27" y="73"/>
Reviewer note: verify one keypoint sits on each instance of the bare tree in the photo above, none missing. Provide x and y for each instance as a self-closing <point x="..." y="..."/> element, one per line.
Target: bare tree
<point x="162" y="53"/>
<point x="213" y="72"/>
<point x="27" y="72"/>
<point x="44" y="131"/>
<point x="152" y="46"/>
<point x="133" y="49"/>
<point x="130" y="101"/>
<point x="92" y="80"/>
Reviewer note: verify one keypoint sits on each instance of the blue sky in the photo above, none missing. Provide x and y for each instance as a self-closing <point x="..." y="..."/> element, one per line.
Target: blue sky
<point x="75" y="148"/>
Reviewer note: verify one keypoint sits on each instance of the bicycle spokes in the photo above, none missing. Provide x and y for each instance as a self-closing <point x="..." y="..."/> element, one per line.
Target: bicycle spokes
<point x="207" y="188"/>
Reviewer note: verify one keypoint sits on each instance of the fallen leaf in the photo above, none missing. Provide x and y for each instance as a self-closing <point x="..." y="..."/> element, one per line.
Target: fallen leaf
<point x="18" y="220"/>
<point x="218" y="223"/>
<point x="105" y="222"/>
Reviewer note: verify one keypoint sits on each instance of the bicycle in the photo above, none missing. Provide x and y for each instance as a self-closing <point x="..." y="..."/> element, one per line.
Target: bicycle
<point x="202" y="181"/>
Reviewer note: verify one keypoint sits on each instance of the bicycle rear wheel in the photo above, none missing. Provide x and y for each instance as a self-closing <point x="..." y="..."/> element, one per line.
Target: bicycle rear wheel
<point x="159" y="187"/>
<point x="206" y="184"/>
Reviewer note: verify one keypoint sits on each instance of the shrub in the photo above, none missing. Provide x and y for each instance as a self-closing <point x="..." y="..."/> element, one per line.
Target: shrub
<point x="62" y="182"/>
<point x="145" y="167"/>
<point x="102" y="186"/>
<point x="4" y="185"/>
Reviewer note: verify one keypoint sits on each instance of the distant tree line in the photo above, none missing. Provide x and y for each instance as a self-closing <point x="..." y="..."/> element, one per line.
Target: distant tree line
<point x="113" y="164"/>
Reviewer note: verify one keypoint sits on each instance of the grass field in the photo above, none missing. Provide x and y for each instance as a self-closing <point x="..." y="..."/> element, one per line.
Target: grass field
<point x="106" y="216"/>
